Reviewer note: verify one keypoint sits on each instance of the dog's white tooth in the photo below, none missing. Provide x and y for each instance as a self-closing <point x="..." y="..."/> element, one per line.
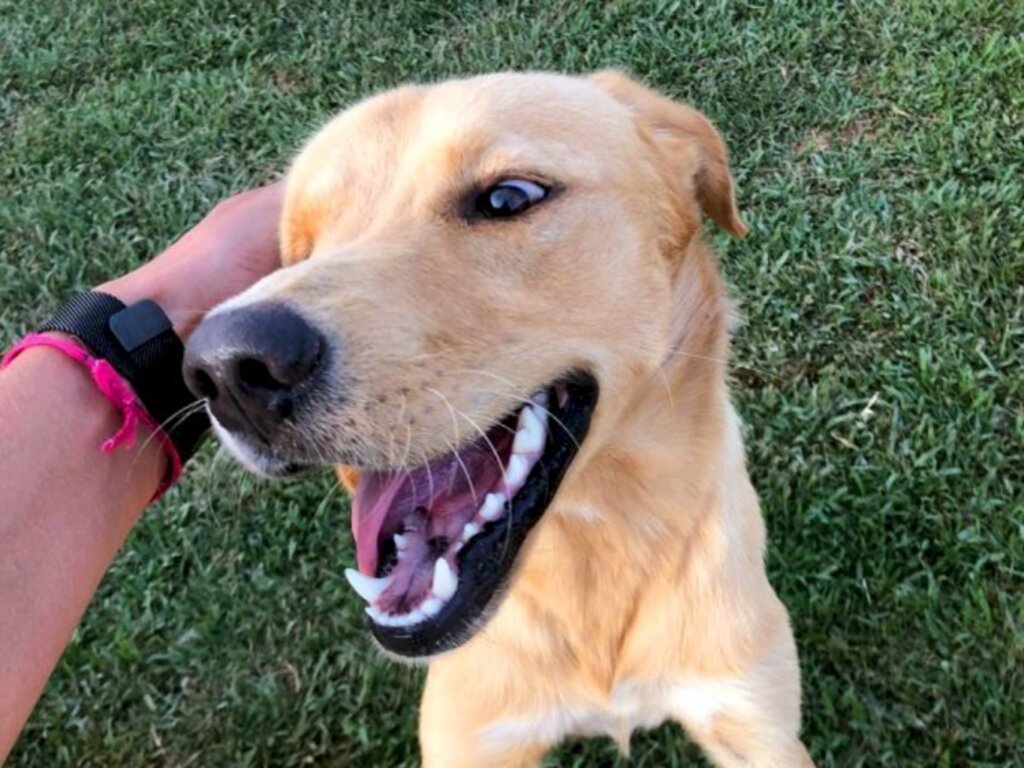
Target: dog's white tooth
<point x="365" y="586"/>
<point x="493" y="506"/>
<point x="516" y="471"/>
<point x="445" y="582"/>
<point x="531" y="433"/>
<point x="540" y="407"/>
<point x="401" y="542"/>
<point x="542" y="416"/>
<point x="382" y="619"/>
<point x="415" y="616"/>
<point x="469" y="530"/>
<point x="431" y="606"/>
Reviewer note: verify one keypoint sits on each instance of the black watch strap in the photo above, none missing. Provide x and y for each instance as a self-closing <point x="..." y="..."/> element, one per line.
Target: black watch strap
<point x="140" y="342"/>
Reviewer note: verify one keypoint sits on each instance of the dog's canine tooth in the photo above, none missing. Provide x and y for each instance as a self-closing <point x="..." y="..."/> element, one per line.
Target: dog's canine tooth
<point x="431" y="606"/>
<point x="542" y="417"/>
<point x="445" y="582"/>
<point x="531" y="433"/>
<point x="493" y="506"/>
<point x="469" y="530"/>
<point x="401" y="542"/>
<point x="365" y="586"/>
<point x="516" y="471"/>
<point x="541" y="408"/>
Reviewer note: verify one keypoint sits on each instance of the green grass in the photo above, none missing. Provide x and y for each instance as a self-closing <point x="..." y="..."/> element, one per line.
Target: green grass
<point x="879" y="154"/>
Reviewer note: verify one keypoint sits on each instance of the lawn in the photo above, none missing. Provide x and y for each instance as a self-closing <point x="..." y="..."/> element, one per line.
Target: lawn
<point x="879" y="155"/>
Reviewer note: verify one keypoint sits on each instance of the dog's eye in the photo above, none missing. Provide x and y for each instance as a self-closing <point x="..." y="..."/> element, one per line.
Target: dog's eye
<point x="508" y="198"/>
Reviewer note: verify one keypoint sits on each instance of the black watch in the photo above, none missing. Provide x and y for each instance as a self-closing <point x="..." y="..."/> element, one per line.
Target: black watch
<point x="140" y="342"/>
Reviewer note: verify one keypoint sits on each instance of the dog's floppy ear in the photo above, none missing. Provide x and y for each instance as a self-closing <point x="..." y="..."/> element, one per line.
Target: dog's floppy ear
<point x="692" y="147"/>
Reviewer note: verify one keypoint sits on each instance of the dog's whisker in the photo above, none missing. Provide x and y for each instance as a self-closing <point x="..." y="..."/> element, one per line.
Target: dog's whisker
<point x="730" y="363"/>
<point x="668" y="389"/>
<point x="480" y="372"/>
<point x="520" y="399"/>
<point x="391" y="432"/>
<point x="335" y="487"/>
<point x="408" y="443"/>
<point x="455" y="447"/>
<point x="430" y="473"/>
<point x="487" y="441"/>
<point x="527" y="401"/>
<point x="214" y="477"/>
<point x="169" y="423"/>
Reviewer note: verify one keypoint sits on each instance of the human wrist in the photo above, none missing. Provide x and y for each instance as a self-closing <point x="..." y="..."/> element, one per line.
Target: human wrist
<point x="140" y="356"/>
<point x="86" y="412"/>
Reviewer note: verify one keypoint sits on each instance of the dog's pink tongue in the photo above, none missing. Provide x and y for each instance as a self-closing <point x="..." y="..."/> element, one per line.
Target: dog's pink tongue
<point x="376" y="495"/>
<point x="449" y="490"/>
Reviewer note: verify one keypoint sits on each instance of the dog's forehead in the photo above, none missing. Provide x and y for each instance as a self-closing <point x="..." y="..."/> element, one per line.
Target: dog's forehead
<point x="415" y="144"/>
<point x="498" y="118"/>
<point x="529" y="106"/>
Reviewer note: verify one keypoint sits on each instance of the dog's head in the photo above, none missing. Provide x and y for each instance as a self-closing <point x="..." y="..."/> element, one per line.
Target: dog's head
<point x="478" y="275"/>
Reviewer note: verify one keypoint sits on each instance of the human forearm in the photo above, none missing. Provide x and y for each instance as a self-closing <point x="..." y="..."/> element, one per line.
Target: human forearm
<point x="65" y="507"/>
<point x="63" y="519"/>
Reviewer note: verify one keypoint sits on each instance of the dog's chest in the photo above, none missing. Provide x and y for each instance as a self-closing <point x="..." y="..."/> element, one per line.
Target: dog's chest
<point x="632" y="705"/>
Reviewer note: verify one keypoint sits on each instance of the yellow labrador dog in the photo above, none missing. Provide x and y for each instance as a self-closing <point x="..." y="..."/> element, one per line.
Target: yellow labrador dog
<point x="499" y="320"/>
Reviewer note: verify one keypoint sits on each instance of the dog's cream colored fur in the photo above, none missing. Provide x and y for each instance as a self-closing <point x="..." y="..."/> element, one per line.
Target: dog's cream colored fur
<point x="641" y="596"/>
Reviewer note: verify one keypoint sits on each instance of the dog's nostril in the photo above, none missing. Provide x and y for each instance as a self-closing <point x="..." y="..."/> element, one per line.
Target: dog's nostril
<point x="255" y="375"/>
<point x="204" y="385"/>
<point x="254" y="366"/>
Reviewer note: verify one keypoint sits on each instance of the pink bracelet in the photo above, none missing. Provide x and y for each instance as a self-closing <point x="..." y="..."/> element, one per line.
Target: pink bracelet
<point x="117" y="391"/>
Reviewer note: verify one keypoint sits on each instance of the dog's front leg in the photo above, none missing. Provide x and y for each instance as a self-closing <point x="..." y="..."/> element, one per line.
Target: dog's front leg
<point x="457" y="713"/>
<point x="750" y="720"/>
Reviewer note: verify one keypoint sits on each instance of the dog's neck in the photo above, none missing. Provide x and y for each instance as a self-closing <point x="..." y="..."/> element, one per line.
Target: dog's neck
<point x="668" y="440"/>
<point x="624" y="523"/>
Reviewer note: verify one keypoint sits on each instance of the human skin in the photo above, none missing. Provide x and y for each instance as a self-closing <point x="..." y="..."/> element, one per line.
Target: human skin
<point x="65" y="507"/>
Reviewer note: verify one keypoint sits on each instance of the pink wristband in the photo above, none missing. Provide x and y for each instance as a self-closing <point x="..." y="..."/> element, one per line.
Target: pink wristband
<point x="118" y="391"/>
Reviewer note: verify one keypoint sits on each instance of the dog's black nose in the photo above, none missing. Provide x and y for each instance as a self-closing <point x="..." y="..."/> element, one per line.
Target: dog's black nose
<point x="253" y="364"/>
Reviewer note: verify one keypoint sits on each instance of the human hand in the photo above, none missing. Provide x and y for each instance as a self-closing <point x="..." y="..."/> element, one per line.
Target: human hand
<point x="229" y="250"/>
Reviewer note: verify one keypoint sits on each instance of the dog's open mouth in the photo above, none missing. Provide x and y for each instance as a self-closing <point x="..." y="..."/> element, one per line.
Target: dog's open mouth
<point x="435" y="544"/>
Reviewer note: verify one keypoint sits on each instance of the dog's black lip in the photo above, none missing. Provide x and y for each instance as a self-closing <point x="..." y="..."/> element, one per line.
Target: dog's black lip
<point x="487" y="560"/>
